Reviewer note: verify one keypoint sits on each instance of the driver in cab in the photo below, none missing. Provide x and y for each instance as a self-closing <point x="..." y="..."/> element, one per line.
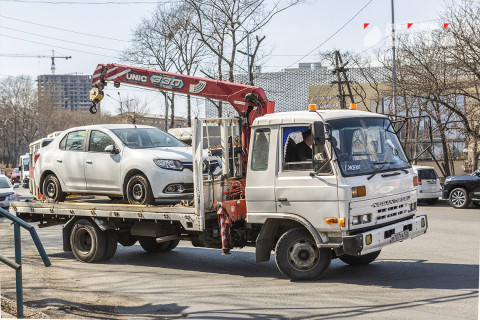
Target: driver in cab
<point x="303" y="150"/>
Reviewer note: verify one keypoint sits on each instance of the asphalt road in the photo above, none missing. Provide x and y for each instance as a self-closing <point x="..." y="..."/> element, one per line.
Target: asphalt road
<point x="433" y="276"/>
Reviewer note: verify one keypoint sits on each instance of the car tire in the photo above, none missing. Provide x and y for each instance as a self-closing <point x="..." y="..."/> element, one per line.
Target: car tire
<point x="52" y="190"/>
<point x="150" y="245"/>
<point x="433" y="201"/>
<point x="87" y="241"/>
<point x="459" y="199"/>
<point x="359" y="260"/>
<point x="298" y="258"/>
<point x="139" y="190"/>
<point x="112" y="242"/>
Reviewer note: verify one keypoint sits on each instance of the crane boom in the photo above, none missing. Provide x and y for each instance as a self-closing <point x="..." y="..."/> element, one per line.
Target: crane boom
<point x="249" y="101"/>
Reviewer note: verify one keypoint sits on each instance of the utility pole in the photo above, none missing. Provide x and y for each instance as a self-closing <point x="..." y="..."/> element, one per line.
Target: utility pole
<point x="394" y="70"/>
<point x="341" y="70"/>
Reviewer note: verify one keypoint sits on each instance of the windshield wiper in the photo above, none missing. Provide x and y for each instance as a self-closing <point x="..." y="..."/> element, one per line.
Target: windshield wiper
<point x="378" y="169"/>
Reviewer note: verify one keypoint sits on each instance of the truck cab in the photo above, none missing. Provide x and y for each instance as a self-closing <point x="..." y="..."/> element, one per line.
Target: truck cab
<point x="355" y="195"/>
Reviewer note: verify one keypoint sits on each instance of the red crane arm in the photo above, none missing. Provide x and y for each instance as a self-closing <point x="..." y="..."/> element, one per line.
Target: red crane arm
<point x="248" y="101"/>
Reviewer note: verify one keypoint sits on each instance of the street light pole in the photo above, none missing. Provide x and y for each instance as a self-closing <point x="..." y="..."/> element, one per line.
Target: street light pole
<point x="121" y="106"/>
<point x="394" y="69"/>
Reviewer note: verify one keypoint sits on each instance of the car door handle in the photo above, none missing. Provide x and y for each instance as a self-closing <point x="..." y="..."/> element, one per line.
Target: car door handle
<point x="58" y="160"/>
<point x="89" y="161"/>
<point x="282" y="199"/>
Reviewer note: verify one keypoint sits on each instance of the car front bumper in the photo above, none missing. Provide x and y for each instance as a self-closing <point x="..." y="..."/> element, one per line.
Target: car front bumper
<point x="356" y="245"/>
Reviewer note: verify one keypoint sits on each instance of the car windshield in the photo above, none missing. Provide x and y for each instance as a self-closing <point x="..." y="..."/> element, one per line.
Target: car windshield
<point x="142" y="138"/>
<point x="4" y="183"/>
<point x="366" y="145"/>
<point x="16" y="170"/>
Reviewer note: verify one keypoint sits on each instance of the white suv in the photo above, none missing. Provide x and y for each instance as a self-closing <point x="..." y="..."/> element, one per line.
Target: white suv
<point x="138" y="163"/>
<point x="429" y="187"/>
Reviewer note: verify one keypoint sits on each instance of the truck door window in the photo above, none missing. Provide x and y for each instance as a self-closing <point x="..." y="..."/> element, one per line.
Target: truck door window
<point x="75" y="141"/>
<point x="297" y="150"/>
<point x="261" y="145"/>
<point x="99" y="141"/>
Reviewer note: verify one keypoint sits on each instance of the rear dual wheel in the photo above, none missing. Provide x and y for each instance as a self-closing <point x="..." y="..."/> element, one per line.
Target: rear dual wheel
<point x="359" y="260"/>
<point x="90" y="244"/>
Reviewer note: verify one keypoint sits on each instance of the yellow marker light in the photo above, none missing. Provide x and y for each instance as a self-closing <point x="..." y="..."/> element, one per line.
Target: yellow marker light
<point x="360" y="191"/>
<point x="415" y="181"/>
<point x="312" y="107"/>
<point x="353" y="106"/>
<point x="331" y="220"/>
<point x="342" y="222"/>
<point x="368" y="239"/>
<point x="422" y="222"/>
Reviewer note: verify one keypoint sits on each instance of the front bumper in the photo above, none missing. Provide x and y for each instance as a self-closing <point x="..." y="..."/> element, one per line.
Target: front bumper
<point x="356" y="245"/>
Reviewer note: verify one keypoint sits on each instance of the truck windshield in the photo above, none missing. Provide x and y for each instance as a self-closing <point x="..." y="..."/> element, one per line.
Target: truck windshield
<point x="25" y="164"/>
<point x="366" y="145"/>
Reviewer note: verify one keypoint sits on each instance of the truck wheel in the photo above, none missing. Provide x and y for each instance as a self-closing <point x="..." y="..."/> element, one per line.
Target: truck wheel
<point x="52" y="190"/>
<point x="150" y="245"/>
<point x="459" y="198"/>
<point x="173" y="244"/>
<point x="88" y="242"/>
<point x="139" y="190"/>
<point x="298" y="257"/>
<point x="126" y="239"/>
<point x="359" y="260"/>
<point x="112" y="240"/>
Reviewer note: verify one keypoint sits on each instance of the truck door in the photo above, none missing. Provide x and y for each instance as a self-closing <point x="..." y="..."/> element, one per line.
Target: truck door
<point x="260" y="188"/>
<point x="102" y="170"/>
<point x="297" y="191"/>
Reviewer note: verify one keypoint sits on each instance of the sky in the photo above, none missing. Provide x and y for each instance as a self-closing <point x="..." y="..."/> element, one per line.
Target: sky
<point x="103" y="28"/>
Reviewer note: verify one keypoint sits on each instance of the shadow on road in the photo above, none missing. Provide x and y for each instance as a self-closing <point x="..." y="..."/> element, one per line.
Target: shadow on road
<point x="399" y="274"/>
<point x="175" y="311"/>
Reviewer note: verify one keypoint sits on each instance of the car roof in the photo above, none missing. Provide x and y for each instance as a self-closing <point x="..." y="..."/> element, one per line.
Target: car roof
<point x="3" y="176"/>
<point x="110" y="127"/>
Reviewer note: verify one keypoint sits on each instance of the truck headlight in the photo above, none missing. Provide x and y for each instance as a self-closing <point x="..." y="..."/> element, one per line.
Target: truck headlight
<point x="169" y="164"/>
<point x="366" y="218"/>
<point x="355" y="220"/>
<point x="13" y="196"/>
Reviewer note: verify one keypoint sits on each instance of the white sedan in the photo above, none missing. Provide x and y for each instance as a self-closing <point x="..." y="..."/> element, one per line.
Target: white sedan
<point x="7" y="194"/>
<point x="134" y="162"/>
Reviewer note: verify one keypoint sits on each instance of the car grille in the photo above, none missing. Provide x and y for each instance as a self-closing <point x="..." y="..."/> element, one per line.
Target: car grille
<point x="189" y="165"/>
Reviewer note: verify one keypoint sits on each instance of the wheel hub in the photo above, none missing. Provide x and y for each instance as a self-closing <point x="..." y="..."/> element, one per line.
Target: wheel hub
<point x="51" y="190"/>
<point x="84" y="241"/>
<point x="303" y="255"/>
<point x="137" y="191"/>
<point x="458" y="198"/>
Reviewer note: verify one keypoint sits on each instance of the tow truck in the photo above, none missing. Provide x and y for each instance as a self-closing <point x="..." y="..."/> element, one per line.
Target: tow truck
<point x="356" y="195"/>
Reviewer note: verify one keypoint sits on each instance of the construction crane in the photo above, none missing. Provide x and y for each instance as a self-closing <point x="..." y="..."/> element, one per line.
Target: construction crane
<point x="53" y="57"/>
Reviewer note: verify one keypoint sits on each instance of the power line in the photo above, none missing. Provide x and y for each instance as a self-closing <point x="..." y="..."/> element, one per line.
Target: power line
<point x="77" y="32"/>
<point x="50" y="45"/>
<point x="39" y="35"/>
<point x="334" y="34"/>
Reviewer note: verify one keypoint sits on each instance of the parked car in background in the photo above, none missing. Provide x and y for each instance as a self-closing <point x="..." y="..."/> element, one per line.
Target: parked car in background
<point x="15" y="176"/>
<point x="24" y="170"/>
<point x="135" y="162"/>
<point x="7" y="194"/>
<point x="461" y="190"/>
<point x="429" y="187"/>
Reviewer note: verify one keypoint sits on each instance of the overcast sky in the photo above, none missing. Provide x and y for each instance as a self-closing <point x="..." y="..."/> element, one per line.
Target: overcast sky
<point x="291" y="35"/>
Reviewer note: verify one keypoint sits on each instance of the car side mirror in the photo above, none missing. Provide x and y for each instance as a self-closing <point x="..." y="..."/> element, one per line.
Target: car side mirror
<point x="111" y="149"/>
<point x="319" y="132"/>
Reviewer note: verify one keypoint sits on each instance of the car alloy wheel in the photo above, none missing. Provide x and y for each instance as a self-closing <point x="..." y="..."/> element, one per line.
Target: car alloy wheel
<point x="458" y="198"/>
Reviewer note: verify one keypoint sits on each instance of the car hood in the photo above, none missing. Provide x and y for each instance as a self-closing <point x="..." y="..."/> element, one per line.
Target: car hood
<point x="6" y="191"/>
<point x="463" y="177"/>
<point x="183" y="154"/>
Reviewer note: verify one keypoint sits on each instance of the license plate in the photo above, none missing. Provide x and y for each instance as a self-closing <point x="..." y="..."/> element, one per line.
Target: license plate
<point x="399" y="236"/>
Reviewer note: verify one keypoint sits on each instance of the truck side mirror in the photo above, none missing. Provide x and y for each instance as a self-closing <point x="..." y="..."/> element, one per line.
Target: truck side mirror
<point x="111" y="149"/>
<point x="319" y="132"/>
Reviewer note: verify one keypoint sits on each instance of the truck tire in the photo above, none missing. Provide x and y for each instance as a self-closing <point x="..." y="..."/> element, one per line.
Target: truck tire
<point x="459" y="198"/>
<point x="112" y="241"/>
<point x="298" y="257"/>
<point x="139" y="190"/>
<point x="150" y="245"/>
<point x="126" y="239"/>
<point x="173" y="244"/>
<point x="52" y="190"/>
<point x="359" y="260"/>
<point x="88" y="242"/>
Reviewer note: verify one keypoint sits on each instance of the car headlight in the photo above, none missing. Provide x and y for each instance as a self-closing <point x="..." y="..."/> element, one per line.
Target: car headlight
<point x="169" y="164"/>
<point x="13" y="196"/>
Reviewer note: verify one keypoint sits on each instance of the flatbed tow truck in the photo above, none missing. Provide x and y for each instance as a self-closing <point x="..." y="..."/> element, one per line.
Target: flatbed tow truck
<point x="355" y="196"/>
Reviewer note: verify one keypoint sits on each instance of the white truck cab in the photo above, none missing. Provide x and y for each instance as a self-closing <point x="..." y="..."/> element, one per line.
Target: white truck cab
<point x="356" y="196"/>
